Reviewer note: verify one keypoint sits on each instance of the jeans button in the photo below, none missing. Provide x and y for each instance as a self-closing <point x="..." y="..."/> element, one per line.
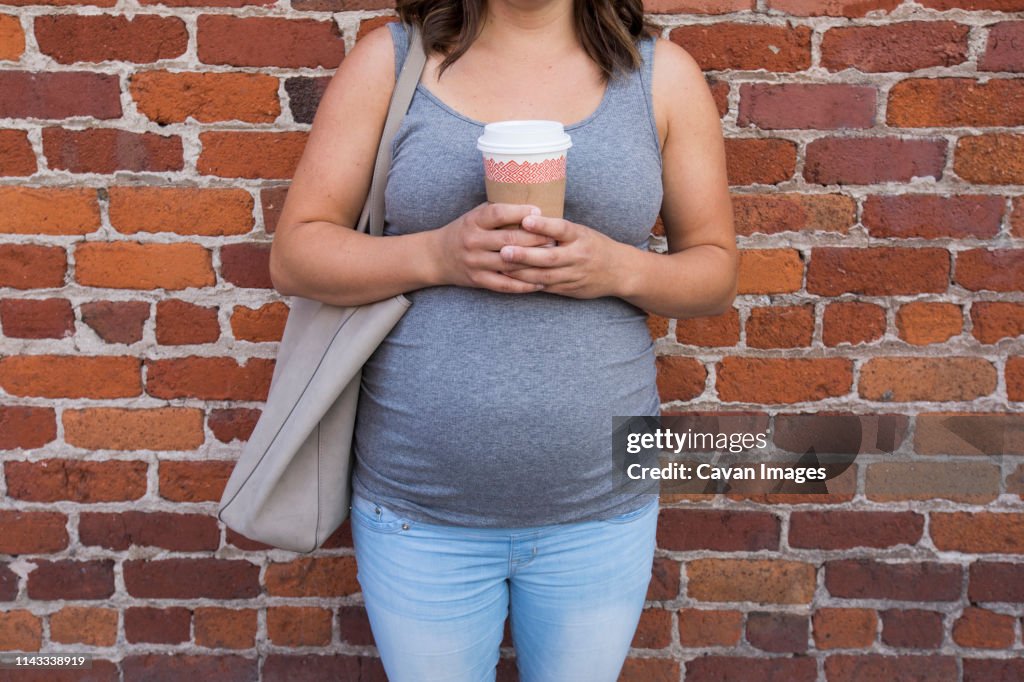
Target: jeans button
<point x="377" y="510"/>
<point x="405" y="526"/>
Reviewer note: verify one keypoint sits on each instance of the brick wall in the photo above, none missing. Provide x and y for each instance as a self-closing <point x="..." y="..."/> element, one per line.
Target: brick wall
<point x="876" y="148"/>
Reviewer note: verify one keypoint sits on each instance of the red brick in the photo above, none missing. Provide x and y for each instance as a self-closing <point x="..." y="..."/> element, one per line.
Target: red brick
<point x="873" y="579"/>
<point x="992" y="581"/>
<point x="156" y="625"/>
<point x="906" y="379"/>
<point x="752" y="161"/>
<point x="748" y="47"/>
<point x="841" y="529"/>
<point x="956" y="102"/>
<point x="209" y="378"/>
<point x="967" y="482"/>
<point x="354" y="626"/>
<point x="777" y="213"/>
<point x="996" y="320"/>
<point x="983" y="629"/>
<point x="766" y="581"/>
<point x="341" y="5"/>
<point x="902" y="46"/>
<point x="59" y="94"/>
<point x="165" y="97"/>
<point x="50" y="480"/>
<point x="20" y="631"/>
<point x="990" y="5"/>
<point x="852" y="322"/>
<point x="721" y="668"/>
<point x="233" y="423"/>
<point x="23" y="426"/>
<point x="304" y="93"/>
<point x="770" y="271"/>
<point x="680" y="378"/>
<point x="978" y="532"/>
<point x="832" y="8"/>
<point x="1002" y="51"/>
<point x="993" y="669"/>
<point x="720" y="93"/>
<point x="654" y="630"/>
<point x="271" y="203"/>
<point x="1017" y="217"/>
<point x="933" y="216"/>
<point x="996" y="159"/>
<point x="998" y="270"/>
<point x="836" y="628"/>
<point x="722" y="531"/>
<point x="877" y="271"/>
<point x="267" y="323"/>
<point x="269" y="41"/>
<point x="200" y="481"/>
<point x="714" y="330"/>
<point x="85" y="625"/>
<point x="30" y="266"/>
<point x="806" y="106"/>
<point x="295" y="626"/>
<point x="782" y="380"/>
<point x="69" y="579"/>
<point x="1015" y="378"/>
<point x="780" y="326"/>
<point x="969" y="433"/>
<point x="704" y="628"/>
<point x="331" y="576"/>
<point x="869" y="160"/>
<point x="696" y="6"/>
<point x="115" y="428"/>
<point x="121" y="530"/>
<point x="66" y="376"/>
<point x="191" y="578"/>
<point x="12" y="40"/>
<point x="129" y="265"/>
<point x="777" y="632"/>
<point x="48" y="318"/>
<point x="181" y="666"/>
<point x="270" y="155"/>
<point x="922" y="323"/>
<point x="246" y="265"/>
<point x="8" y="584"/>
<point x="107" y="150"/>
<point x="32" y="532"/>
<point x="182" y="323"/>
<point x="49" y="210"/>
<point x="664" y="583"/>
<point x="322" y="667"/>
<point x="116" y="321"/>
<point x="16" y="155"/>
<point x="850" y="668"/>
<point x="70" y="38"/>
<point x="219" y="628"/>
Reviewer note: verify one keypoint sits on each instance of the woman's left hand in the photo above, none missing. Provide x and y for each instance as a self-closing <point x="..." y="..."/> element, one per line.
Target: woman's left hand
<point x="584" y="263"/>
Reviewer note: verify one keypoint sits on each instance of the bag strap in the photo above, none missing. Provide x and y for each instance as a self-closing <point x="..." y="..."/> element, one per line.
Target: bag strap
<point x="371" y="220"/>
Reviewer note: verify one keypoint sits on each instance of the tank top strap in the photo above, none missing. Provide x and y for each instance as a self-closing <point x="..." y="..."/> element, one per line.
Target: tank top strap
<point x="400" y="37"/>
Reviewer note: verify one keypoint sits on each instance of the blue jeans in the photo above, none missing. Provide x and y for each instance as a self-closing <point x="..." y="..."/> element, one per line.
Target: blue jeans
<point x="437" y="596"/>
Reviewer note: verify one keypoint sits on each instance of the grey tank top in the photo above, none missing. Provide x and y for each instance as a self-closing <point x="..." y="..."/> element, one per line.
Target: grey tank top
<point x="495" y="410"/>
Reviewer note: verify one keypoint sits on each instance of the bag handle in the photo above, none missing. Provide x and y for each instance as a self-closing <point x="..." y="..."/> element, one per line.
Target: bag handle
<point x="371" y="220"/>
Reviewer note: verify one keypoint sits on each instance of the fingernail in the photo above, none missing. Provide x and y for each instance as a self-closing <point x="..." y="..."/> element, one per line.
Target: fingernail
<point x="534" y="211"/>
<point x="539" y="287"/>
<point x="507" y="252"/>
<point x="528" y="221"/>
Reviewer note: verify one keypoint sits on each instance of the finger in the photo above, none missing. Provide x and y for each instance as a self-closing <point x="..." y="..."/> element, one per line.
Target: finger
<point x="536" y="256"/>
<point x="498" y="215"/>
<point x="506" y="284"/>
<point x="556" y="228"/>
<point x="549" y="277"/>
<point x="493" y="240"/>
<point x="492" y="260"/>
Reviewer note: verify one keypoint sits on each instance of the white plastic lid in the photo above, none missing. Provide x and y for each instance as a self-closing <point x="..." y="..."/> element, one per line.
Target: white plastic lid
<point x="523" y="137"/>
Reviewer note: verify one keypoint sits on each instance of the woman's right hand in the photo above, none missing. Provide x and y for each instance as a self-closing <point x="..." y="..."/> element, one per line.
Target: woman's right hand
<point x="468" y="247"/>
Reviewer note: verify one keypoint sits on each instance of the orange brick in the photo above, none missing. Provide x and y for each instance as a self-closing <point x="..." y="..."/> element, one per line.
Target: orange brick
<point x="50" y="480"/>
<point x="200" y="481"/>
<point x="20" y="631"/>
<point x="765" y="581"/>
<point x="955" y="102"/>
<point x="250" y="154"/>
<point x="984" y="629"/>
<point x="845" y="628"/>
<point x="978" y="532"/>
<point x="12" y="37"/>
<point x="84" y="625"/>
<point x="713" y="330"/>
<point x="922" y="323"/>
<point x="996" y="159"/>
<point x="48" y="210"/>
<point x="210" y="378"/>
<point x="265" y="323"/>
<point x="782" y="380"/>
<point x="114" y="428"/>
<point x="166" y="97"/>
<point x="701" y="628"/>
<point x="129" y="265"/>
<point x="746" y="46"/>
<point x="222" y="628"/>
<point x="182" y="323"/>
<point x="993" y="321"/>
<point x="776" y="213"/>
<point x="832" y="8"/>
<point x="182" y="210"/>
<point x="967" y="482"/>
<point x="312" y="577"/>
<point x="906" y="379"/>
<point x="759" y="161"/>
<point x="16" y="155"/>
<point x="770" y="271"/>
<point x="299" y="626"/>
<point x="69" y="376"/>
<point x="780" y="326"/>
<point x="680" y="378"/>
<point x="852" y="322"/>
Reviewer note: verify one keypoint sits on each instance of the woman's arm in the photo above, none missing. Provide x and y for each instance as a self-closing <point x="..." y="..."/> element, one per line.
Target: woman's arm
<point x="698" y="275"/>
<point x="316" y="253"/>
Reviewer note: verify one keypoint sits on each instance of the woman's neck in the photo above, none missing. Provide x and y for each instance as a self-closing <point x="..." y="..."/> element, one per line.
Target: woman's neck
<point x="528" y="28"/>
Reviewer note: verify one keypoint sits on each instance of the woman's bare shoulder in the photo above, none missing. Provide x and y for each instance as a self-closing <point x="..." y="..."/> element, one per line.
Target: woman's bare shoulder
<point x="680" y="91"/>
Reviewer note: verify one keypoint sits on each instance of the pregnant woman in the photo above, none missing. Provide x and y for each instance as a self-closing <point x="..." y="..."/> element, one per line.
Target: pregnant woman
<point x="483" y="486"/>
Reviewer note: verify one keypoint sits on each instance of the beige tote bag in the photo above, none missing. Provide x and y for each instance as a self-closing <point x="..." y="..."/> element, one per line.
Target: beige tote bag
<point x="291" y="485"/>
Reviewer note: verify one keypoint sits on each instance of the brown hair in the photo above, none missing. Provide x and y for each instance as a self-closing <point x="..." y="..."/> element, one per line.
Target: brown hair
<point x="607" y="29"/>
